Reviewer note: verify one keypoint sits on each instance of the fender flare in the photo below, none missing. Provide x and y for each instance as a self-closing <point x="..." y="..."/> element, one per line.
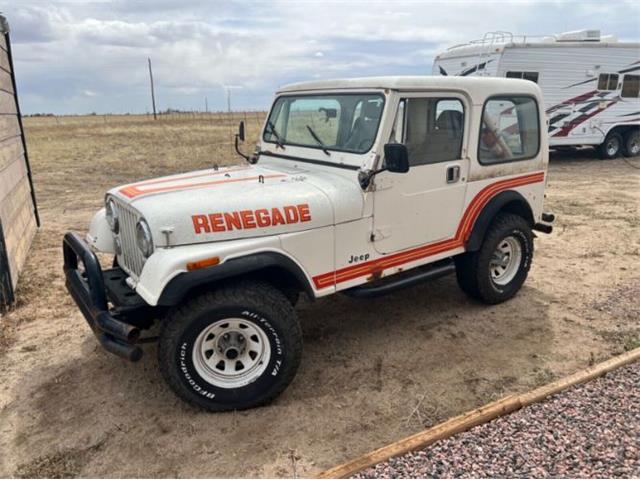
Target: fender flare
<point x="179" y="286"/>
<point x="510" y="201"/>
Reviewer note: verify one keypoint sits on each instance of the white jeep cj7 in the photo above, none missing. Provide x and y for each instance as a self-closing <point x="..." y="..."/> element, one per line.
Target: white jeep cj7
<point x="361" y="186"/>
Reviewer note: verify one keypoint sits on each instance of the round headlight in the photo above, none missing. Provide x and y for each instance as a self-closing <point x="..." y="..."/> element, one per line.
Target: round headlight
<point x="112" y="216"/>
<point x="143" y="238"/>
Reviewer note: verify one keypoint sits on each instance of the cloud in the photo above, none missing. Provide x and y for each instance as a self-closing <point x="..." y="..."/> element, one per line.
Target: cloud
<point x="70" y="47"/>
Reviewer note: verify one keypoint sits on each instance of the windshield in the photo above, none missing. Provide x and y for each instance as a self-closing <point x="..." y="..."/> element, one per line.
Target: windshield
<point x="343" y="122"/>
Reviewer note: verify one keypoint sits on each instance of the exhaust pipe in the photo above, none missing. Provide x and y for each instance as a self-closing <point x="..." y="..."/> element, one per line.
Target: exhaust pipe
<point x="543" y="227"/>
<point x="116" y="328"/>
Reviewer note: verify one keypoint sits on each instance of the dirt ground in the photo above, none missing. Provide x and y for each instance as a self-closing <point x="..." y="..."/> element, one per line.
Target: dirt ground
<point x="372" y="371"/>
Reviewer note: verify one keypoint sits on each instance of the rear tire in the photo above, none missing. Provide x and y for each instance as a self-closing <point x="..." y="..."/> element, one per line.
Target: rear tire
<point x="632" y="143"/>
<point x="495" y="272"/>
<point x="231" y="349"/>
<point x="611" y="147"/>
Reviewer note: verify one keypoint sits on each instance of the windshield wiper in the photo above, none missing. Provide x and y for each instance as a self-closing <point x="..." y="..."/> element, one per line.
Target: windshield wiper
<point x="317" y="139"/>
<point x="275" y="134"/>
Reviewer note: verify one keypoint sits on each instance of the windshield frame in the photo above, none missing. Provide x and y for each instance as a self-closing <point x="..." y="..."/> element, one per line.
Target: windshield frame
<point x="321" y="93"/>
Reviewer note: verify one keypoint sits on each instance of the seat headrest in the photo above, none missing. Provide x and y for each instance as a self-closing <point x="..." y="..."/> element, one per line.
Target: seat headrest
<point x="449" y="120"/>
<point x="372" y="110"/>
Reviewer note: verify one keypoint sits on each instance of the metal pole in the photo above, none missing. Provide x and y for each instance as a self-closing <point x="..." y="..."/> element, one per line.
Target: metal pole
<point x="228" y="100"/>
<point x="206" y="105"/>
<point x="153" y="96"/>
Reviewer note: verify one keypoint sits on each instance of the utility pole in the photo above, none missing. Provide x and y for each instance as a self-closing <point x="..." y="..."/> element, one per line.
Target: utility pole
<point x="153" y="96"/>
<point x="206" y="105"/>
<point x="229" y="99"/>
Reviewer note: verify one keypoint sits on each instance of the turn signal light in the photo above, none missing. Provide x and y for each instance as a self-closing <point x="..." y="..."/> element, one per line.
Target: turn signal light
<point x="207" y="262"/>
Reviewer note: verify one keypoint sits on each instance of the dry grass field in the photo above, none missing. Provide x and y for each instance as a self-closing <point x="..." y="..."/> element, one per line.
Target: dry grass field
<point x="373" y="370"/>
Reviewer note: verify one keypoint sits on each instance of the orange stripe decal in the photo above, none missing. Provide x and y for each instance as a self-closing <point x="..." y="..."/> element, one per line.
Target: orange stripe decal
<point x="133" y="191"/>
<point x="465" y="227"/>
<point x="155" y="181"/>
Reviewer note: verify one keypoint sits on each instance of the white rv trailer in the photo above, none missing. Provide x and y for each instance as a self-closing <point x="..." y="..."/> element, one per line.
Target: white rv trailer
<point x="590" y="83"/>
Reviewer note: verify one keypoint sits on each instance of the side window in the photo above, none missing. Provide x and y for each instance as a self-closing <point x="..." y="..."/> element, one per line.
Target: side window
<point x="608" y="81"/>
<point x="433" y="129"/>
<point x="531" y="76"/>
<point x="510" y="130"/>
<point x="631" y="86"/>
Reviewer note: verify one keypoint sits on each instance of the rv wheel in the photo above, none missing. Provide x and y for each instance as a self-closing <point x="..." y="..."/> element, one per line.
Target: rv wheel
<point x="632" y="143"/>
<point x="611" y="147"/>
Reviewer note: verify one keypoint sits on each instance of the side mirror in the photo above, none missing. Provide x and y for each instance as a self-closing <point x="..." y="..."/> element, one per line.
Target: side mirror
<point x="396" y="158"/>
<point x="240" y="138"/>
<point x="241" y="131"/>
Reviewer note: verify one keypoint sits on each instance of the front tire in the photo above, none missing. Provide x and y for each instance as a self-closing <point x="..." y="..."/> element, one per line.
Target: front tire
<point x="495" y="272"/>
<point x="611" y="147"/>
<point x="231" y="349"/>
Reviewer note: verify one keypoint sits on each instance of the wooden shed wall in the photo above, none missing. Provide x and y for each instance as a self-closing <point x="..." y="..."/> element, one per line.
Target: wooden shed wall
<point x="18" y="216"/>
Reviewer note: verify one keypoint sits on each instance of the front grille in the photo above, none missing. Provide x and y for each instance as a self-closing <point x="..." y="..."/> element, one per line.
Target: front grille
<point x="130" y="259"/>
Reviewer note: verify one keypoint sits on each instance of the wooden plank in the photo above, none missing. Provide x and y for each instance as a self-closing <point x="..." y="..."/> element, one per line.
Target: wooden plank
<point x="15" y="210"/>
<point x="7" y="103"/>
<point x="6" y="284"/>
<point x="10" y="176"/>
<point x="10" y="150"/>
<point x="4" y="61"/>
<point x="13" y="202"/>
<point x="476" y="417"/>
<point x="18" y="240"/>
<point x="5" y="81"/>
<point x="9" y="126"/>
<point x="13" y="205"/>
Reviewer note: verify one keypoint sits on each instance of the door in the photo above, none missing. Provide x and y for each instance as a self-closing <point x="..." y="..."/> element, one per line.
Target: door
<point x="425" y="204"/>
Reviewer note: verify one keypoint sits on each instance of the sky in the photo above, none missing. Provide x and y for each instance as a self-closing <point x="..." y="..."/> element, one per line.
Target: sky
<point x="75" y="56"/>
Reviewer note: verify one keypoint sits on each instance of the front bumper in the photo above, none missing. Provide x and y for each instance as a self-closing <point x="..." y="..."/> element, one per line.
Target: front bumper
<point x="87" y="288"/>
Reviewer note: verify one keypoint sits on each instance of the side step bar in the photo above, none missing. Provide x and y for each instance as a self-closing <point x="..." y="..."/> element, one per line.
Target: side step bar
<point x="421" y="275"/>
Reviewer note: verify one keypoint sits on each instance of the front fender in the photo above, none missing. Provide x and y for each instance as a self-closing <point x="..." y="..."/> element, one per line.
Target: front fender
<point x="166" y="281"/>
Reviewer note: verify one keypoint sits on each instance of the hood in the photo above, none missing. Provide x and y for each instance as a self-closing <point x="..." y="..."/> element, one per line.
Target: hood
<point x="241" y="202"/>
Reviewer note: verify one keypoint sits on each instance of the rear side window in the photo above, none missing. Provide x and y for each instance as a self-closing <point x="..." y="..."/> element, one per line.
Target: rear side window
<point x="608" y="81"/>
<point x="510" y="130"/>
<point x="531" y="76"/>
<point x="631" y="86"/>
<point x="432" y="128"/>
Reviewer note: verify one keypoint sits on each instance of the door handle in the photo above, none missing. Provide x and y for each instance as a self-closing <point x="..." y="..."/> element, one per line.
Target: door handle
<point x="453" y="173"/>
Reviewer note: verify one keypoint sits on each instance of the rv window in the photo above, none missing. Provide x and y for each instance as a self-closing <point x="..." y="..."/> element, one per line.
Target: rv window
<point x="433" y="129"/>
<point x="631" y="86"/>
<point x="532" y="76"/>
<point x="608" y="81"/>
<point x="510" y="130"/>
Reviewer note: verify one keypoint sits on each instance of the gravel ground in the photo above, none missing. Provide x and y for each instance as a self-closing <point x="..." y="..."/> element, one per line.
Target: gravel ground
<point x="590" y="430"/>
